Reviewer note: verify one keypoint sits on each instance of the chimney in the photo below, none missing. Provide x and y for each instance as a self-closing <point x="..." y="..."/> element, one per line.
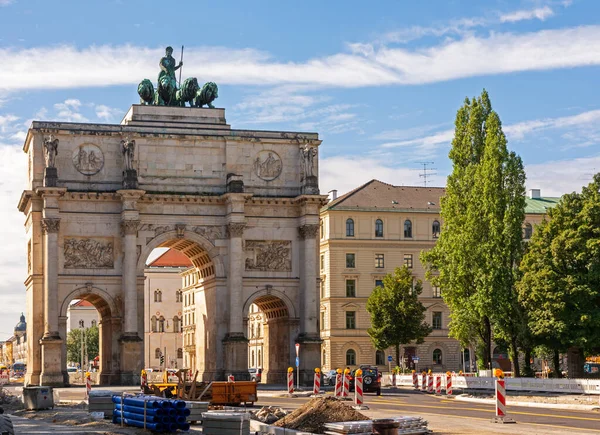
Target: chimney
<point x="535" y="193"/>
<point x="333" y="194"/>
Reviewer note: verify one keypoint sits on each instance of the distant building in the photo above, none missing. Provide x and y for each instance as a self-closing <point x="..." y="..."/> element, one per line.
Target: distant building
<point x="81" y="314"/>
<point x="164" y="310"/>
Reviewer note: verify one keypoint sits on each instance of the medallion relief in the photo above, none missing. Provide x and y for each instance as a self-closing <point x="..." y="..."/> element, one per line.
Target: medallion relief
<point x="88" y="159"/>
<point x="268" y="255"/>
<point x="268" y="165"/>
<point x="85" y="253"/>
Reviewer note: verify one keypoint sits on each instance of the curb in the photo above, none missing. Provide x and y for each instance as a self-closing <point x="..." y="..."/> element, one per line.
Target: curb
<point x="531" y="404"/>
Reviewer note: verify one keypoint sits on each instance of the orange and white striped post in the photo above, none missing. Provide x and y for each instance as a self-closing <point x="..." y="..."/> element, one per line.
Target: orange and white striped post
<point x="230" y="378"/>
<point x="317" y="382"/>
<point x="430" y="382"/>
<point x="88" y="384"/>
<point x="448" y="384"/>
<point x="144" y="380"/>
<point x="438" y="385"/>
<point x="346" y="387"/>
<point x="290" y="380"/>
<point x="424" y="381"/>
<point x="338" y="383"/>
<point x="358" y="390"/>
<point x="415" y="379"/>
<point x="501" y="399"/>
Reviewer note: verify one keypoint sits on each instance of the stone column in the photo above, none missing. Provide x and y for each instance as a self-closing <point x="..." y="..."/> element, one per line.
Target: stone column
<point x="129" y="232"/>
<point x="235" y="231"/>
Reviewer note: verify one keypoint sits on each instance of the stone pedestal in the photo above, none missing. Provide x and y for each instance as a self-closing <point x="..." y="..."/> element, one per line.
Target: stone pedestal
<point x="235" y="183"/>
<point x="50" y="177"/>
<point x="130" y="179"/>
<point x="51" y="375"/>
<point x="132" y="347"/>
<point x="311" y="186"/>
<point x="310" y="357"/>
<point x="235" y="347"/>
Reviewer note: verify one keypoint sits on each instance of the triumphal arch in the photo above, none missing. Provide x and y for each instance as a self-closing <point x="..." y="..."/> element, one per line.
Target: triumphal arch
<point x="243" y="205"/>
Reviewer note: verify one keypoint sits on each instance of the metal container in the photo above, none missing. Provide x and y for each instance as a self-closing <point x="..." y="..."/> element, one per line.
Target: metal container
<point x="36" y="398"/>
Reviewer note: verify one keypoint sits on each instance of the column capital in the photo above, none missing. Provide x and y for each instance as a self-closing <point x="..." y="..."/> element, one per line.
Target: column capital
<point x="129" y="198"/>
<point x="235" y="229"/>
<point x="129" y="226"/>
<point x="50" y="225"/>
<point x="308" y="231"/>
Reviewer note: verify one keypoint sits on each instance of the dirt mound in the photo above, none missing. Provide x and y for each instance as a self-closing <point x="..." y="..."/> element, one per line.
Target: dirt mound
<point x="312" y="416"/>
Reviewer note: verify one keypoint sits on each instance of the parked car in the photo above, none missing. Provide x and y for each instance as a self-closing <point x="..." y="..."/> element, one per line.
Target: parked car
<point x="255" y="374"/>
<point x="371" y="379"/>
<point x="72" y="369"/>
<point x="329" y="377"/>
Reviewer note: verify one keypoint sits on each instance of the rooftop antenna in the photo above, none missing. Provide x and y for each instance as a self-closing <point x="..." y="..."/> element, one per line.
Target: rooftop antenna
<point x="426" y="171"/>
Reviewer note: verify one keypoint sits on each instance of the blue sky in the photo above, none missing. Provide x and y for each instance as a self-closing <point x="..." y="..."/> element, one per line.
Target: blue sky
<point x="380" y="82"/>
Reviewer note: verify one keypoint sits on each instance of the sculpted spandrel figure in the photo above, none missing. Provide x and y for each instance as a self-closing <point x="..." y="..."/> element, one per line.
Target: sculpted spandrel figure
<point x="308" y="154"/>
<point x="50" y="151"/>
<point x="128" y="149"/>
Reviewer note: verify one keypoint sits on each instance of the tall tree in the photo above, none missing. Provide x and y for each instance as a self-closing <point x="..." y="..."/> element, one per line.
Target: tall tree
<point x="74" y="344"/>
<point x="397" y="314"/>
<point x="560" y="287"/>
<point x="476" y="258"/>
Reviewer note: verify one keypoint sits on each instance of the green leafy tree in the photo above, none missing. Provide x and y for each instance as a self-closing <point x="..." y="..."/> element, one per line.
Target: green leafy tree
<point x="476" y="258"/>
<point x="560" y="287"/>
<point x="397" y="315"/>
<point x="74" y="344"/>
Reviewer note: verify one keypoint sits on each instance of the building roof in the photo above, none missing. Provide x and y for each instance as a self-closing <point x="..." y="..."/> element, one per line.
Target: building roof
<point x="81" y="303"/>
<point x="540" y="205"/>
<point x="377" y="195"/>
<point x="22" y="325"/>
<point x="171" y="258"/>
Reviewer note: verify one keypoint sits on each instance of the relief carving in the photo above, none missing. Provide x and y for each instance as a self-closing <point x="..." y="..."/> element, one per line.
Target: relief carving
<point x="308" y="231"/>
<point x="158" y="229"/>
<point x="50" y="225"/>
<point x="235" y="229"/>
<point x="180" y="228"/>
<point x="211" y="233"/>
<point x="268" y="165"/>
<point x="268" y="255"/>
<point x="83" y="253"/>
<point x="88" y="159"/>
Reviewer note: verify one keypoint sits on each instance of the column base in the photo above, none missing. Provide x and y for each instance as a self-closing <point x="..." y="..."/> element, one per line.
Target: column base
<point x="52" y="374"/>
<point x="31" y="379"/>
<point x="310" y="357"/>
<point x="235" y="346"/>
<point x="132" y="351"/>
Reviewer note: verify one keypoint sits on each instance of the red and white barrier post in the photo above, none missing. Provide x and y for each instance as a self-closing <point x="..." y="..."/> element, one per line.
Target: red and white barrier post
<point x="448" y="384"/>
<point x="415" y="379"/>
<point x="290" y="380"/>
<point x="501" y="399"/>
<point x="317" y="382"/>
<point x="429" y="383"/>
<point x="230" y="378"/>
<point x="358" y="391"/>
<point x="88" y="384"/>
<point x="424" y="382"/>
<point x="438" y="385"/>
<point x="338" y="383"/>
<point x="346" y="387"/>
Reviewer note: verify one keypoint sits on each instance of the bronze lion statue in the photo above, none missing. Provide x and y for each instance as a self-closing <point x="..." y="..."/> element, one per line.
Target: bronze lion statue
<point x="206" y="95"/>
<point x="146" y="92"/>
<point x="187" y="92"/>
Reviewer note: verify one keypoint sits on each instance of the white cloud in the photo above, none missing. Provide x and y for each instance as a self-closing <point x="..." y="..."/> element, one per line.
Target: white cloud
<point x="7" y="122"/>
<point x="106" y="113"/>
<point x="537" y="13"/>
<point x="6" y="2"/>
<point x="69" y="111"/>
<point x="558" y="177"/>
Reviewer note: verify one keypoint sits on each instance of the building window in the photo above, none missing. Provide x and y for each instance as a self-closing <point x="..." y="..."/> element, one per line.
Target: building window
<point x="350" y="319"/>
<point x="349" y="228"/>
<point x="323" y="358"/>
<point x="437" y="320"/>
<point x="252" y="360"/>
<point x="379" y="358"/>
<point x="161" y="324"/>
<point x="157" y="296"/>
<point x="81" y="324"/>
<point x="408" y="260"/>
<point x="322" y="320"/>
<point x="350" y="263"/>
<point x="435" y="229"/>
<point x="322" y="263"/>
<point x="322" y="232"/>
<point x="527" y="231"/>
<point x="379" y="283"/>
<point x="407" y="229"/>
<point x="259" y="358"/>
<point x="179" y="352"/>
<point x="379" y="261"/>
<point x="176" y="324"/>
<point x="93" y="323"/>
<point x="178" y="296"/>
<point x="350" y="288"/>
<point x="437" y="292"/>
<point x="322" y="288"/>
<point x="350" y="357"/>
<point x="437" y="356"/>
<point x="378" y="228"/>
<point x="157" y="353"/>
<point x="153" y="321"/>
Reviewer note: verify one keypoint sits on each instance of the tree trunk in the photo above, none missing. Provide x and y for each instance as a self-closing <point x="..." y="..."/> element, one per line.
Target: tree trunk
<point x="514" y="350"/>
<point x="487" y="357"/>
<point x="527" y="372"/>
<point x="556" y="363"/>
<point x="398" y="355"/>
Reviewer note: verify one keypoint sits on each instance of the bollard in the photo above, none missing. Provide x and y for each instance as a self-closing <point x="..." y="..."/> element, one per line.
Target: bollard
<point x="448" y="384"/>
<point x="346" y="387"/>
<point x="338" y="383"/>
<point x="230" y="378"/>
<point x="290" y="380"/>
<point x="424" y="381"/>
<point x="358" y="391"/>
<point x="144" y="380"/>
<point x="317" y="382"/>
<point x="415" y="380"/>
<point x="88" y="384"/>
<point x="438" y="385"/>
<point x="501" y="399"/>
<point x="430" y="383"/>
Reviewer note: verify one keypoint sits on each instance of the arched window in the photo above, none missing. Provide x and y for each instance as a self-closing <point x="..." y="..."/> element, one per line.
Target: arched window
<point x="252" y="360"/>
<point x="81" y="324"/>
<point x="435" y="229"/>
<point x="157" y="353"/>
<point x="407" y="229"/>
<point x="179" y="296"/>
<point x="349" y="228"/>
<point x="379" y="358"/>
<point x="93" y="323"/>
<point x="259" y="358"/>
<point x="350" y="357"/>
<point x="378" y="228"/>
<point x="258" y="330"/>
<point x="527" y="231"/>
<point x="176" y="324"/>
<point x="157" y="296"/>
<point x="179" y="352"/>
<point x="437" y="356"/>
<point x="153" y="321"/>
<point x="161" y="324"/>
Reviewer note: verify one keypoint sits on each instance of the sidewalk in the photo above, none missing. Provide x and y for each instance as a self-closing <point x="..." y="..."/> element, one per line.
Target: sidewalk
<point x="519" y="401"/>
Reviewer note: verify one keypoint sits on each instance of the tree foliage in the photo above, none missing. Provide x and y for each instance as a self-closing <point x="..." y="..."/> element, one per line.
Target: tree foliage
<point x="397" y="315"/>
<point x="560" y="287"/>
<point x="475" y="260"/>
<point x="74" y="344"/>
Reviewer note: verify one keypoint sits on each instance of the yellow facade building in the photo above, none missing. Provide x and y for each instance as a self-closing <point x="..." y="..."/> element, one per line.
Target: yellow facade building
<point x="366" y="234"/>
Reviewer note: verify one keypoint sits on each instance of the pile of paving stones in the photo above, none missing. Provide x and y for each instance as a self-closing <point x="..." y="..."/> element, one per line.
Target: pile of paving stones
<point x="268" y="414"/>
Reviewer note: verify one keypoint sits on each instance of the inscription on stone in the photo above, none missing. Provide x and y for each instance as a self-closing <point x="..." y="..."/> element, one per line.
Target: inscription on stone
<point x="268" y="255"/>
<point x="267" y="165"/>
<point x="84" y="253"/>
<point x="88" y="159"/>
